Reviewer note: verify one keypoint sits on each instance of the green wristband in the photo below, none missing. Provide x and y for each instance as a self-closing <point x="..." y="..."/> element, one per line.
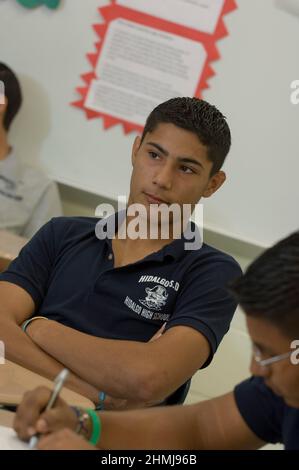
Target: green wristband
<point x="96" y="426"/>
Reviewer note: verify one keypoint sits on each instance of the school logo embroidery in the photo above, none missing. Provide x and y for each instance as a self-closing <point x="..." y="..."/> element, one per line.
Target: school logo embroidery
<point x="156" y="297"/>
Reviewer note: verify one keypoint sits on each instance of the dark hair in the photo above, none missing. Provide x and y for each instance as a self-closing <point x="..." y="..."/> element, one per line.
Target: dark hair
<point x="12" y="92"/>
<point x="270" y="287"/>
<point x="199" y="117"/>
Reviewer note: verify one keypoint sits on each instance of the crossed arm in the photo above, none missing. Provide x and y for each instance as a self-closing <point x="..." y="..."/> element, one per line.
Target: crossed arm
<point x="139" y="372"/>
<point x="16" y="306"/>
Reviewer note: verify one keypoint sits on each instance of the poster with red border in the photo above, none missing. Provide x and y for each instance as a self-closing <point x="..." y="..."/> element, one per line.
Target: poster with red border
<point x="142" y="59"/>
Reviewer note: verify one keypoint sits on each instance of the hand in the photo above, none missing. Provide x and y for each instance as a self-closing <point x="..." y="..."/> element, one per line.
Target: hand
<point x="30" y="418"/>
<point x="123" y="404"/>
<point x="64" y="439"/>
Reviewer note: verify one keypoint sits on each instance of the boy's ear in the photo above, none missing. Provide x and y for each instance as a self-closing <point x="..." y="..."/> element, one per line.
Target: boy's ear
<point x="215" y="182"/>
<point x="135" y="148"/>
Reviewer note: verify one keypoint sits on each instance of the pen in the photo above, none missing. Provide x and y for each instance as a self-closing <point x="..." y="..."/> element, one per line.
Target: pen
<point x="58" y="381"/>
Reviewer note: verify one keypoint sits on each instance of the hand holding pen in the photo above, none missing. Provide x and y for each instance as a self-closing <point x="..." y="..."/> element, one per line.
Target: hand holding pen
<point x="59" y="382"/>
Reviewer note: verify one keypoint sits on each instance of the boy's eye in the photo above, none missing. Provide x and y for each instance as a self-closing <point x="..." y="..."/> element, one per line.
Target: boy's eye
<point x="186" y="169"/>
<point x="153" y="155"/>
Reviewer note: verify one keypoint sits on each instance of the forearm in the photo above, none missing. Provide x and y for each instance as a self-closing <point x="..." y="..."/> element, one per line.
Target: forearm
<point x="115" y="369"/>
<point x="141" y="373"/>
<point x="19" y="348"/>
<point x="157" y="428"/>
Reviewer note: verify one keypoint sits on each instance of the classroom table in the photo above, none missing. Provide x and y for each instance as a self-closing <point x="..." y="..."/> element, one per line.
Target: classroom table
<point x="6" y="418"/>
<point x="10" y="246"/>
<point x="16" y="380"/>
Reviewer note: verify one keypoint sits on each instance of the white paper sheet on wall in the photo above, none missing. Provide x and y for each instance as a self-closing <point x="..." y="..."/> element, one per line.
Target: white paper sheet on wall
<point x="10" y="441"/>
<point x="197" y="14"/>
<point x="141" y="67"/>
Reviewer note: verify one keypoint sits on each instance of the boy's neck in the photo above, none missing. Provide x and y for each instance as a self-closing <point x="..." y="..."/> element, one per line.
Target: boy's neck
<point x="4" y="145"/>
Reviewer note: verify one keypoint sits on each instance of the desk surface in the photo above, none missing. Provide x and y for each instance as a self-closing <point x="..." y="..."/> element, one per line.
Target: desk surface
<point x="6" y="418"/>
<point x="15" y="381"/>
<point x="10" y="246"/>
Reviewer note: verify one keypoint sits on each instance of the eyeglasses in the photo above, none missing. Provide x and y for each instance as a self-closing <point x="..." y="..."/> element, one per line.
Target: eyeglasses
<point x="257" y="356"/>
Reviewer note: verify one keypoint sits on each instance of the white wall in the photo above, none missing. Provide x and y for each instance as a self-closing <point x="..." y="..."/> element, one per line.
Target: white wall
<point x="259" y="60"/>
<point x="252" y="86"/>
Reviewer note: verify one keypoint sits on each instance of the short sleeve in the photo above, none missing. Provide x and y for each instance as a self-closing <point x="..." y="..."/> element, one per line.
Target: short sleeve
<point x="261" y="409"/>
<point x="31" y="270"/>
<point x="205" y="303"/>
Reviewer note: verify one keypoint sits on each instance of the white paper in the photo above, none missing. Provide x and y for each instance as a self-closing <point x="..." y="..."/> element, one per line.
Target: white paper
<point x="140" y="67"/>
<point x="202" y="15"/>
<point x="10" y="441"/>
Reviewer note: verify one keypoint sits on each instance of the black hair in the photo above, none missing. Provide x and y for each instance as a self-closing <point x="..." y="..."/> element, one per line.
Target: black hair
<point x="270" y="287"/>
<point x="13" y="94"/>
<point x="199" y="117"/>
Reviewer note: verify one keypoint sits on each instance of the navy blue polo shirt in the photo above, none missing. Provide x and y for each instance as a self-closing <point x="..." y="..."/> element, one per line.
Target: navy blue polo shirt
<point x="266" y="414"/>
<point x="70" y="275"/>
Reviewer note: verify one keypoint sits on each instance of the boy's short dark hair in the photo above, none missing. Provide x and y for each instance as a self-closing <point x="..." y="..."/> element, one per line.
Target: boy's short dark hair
<point x="199" y="117"/>
<point x="270" y="287"/>
<point x="13" y="94"/>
